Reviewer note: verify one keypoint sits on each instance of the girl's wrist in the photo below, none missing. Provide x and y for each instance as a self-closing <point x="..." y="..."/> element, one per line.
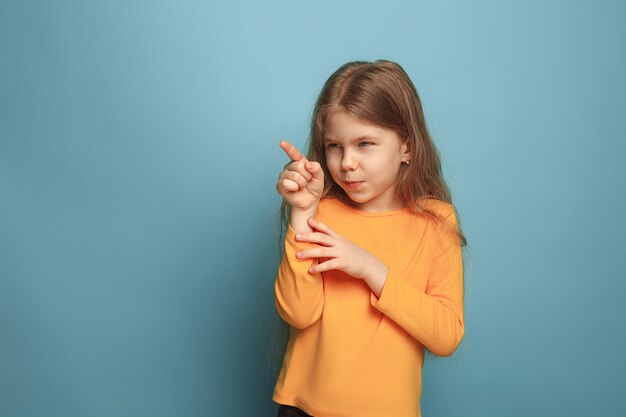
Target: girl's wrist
<point x="376" y="277"/>
<point x="310" y="211"/>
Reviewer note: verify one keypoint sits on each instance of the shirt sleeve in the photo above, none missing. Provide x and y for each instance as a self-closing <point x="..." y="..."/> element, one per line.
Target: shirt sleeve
<point x="299" y="294"/>
<point x="433" y="317"/>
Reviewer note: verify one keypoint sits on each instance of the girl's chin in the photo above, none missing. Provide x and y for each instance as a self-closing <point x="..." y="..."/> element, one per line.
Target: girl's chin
<point x="356" y="195"/>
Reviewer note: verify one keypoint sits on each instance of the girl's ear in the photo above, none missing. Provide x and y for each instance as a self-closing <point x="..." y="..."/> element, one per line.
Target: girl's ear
<point x="406" y="152"/>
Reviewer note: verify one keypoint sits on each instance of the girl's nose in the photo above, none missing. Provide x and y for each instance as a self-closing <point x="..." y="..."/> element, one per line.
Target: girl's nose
<point x="348" y="163"/>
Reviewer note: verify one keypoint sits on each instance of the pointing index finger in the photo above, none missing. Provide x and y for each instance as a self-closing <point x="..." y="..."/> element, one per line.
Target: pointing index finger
<point x="292" y="152"/>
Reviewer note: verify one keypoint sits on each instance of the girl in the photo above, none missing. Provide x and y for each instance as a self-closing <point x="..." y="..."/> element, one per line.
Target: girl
<point x="372" y="271"/>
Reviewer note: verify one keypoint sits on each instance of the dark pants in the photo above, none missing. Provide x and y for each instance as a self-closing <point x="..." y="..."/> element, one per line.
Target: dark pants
<point x="291" y="411"/>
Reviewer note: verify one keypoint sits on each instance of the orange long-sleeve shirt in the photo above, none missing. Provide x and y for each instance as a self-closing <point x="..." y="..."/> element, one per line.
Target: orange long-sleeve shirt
<point x="350" y="353"/>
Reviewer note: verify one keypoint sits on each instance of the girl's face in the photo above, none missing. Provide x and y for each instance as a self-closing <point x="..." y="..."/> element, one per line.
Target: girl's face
<point x="364" y="160"/>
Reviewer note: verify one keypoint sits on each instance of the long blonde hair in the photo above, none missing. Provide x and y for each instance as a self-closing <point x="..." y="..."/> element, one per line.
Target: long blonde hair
<point x="380" y="93"/>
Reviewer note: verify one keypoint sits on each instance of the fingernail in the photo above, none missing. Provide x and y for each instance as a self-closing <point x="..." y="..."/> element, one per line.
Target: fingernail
<point x="298" y="254"/>
<point x="298" y="236"/>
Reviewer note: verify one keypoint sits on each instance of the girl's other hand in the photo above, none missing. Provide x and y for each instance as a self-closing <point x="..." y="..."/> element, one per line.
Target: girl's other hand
<point x="342" y="253"/>
<point x="301" y="182"/>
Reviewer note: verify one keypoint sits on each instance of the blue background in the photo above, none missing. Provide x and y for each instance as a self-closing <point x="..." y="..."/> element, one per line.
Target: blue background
<point x="138" y="161"/>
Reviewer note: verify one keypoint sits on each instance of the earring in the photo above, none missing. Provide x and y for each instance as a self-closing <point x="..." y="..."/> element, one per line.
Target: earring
<point x="406" y="162"/>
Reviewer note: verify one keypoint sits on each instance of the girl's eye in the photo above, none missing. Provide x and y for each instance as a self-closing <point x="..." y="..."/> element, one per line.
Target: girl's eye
<point x="362" y="144"/>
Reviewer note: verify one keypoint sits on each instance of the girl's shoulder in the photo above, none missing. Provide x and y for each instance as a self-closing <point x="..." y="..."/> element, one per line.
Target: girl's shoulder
<point x="440" y="207"/>
<point x="448" y="220"/>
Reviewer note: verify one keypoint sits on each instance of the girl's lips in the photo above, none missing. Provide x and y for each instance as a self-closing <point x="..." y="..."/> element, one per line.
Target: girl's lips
<point x="354" y="185"/>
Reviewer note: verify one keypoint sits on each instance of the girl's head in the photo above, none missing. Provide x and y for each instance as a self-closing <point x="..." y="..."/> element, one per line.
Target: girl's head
<point x="376" y="98"/>
<point x="364" y="160"/>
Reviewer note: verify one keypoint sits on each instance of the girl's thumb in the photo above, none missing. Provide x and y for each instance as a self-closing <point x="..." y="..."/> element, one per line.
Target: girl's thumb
<point x="316" y="169"/>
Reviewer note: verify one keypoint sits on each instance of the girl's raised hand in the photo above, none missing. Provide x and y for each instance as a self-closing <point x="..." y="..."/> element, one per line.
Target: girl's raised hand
<point x="301" y="182"/>
<point x="344" y="255"/>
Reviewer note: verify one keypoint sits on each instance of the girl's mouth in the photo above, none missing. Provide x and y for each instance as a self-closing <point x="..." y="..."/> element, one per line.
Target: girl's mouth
<point x="354" y="185"/>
